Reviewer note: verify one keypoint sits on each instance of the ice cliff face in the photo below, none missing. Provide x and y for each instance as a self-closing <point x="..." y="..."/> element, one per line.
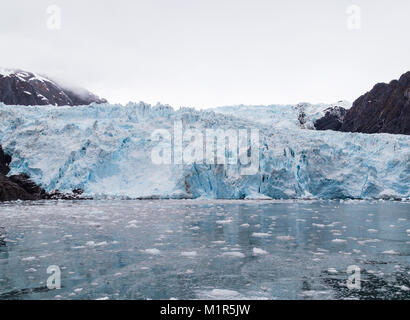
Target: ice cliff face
<point x="106" y="151"/>
<point x="302" y="115"/>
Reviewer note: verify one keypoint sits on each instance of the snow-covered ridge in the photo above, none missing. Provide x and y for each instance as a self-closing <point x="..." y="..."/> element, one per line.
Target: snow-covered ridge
<point x="27" y="88"/>
<point x="23" y="75"/>
<point x="106" y="151"/>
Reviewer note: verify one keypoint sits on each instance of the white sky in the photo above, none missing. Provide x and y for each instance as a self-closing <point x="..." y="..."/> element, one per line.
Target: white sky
<point x="206" y="53"/>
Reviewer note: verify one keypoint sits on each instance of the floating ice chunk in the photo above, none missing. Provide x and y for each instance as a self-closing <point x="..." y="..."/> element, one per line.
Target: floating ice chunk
<point x="29" y="259"/>
<point x="372" y="230"/>
<point x="223" y="293"/>
<point x="332" y="270"/>
<point x="90" y="244"/>
<point x="318" y="225"/>
<point x="224" y="221"/>
<point x="247" y="225"/>
<point x="285" y="238"/>
<point x="260" y="234"/>
<point x="234" y="254"/>
<point x="309" y="293"/>
<point x="390" y="252"/>
<point x="258" y="251"/>
<point x="190" y="254"/>
<point x="364" y="242"/>
<point x="78" y="247"/>
<point x="153" y="251"/>
<point x="338" y="240"/>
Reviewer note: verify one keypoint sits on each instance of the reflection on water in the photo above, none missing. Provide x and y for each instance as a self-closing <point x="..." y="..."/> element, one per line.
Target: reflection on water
<point x="205" y="249"/>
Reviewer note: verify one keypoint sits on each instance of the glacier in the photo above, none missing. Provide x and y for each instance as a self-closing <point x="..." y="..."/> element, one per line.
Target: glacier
<point x="105" y="150"/>
<point x="303" y="115"/>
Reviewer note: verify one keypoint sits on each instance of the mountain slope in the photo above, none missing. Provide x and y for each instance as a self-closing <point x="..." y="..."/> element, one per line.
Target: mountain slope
<point x="384" y="109"/>
<point x="18" y="87"/>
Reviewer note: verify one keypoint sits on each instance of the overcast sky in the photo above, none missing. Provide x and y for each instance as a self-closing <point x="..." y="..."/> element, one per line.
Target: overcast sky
<point x="206" y="53"/>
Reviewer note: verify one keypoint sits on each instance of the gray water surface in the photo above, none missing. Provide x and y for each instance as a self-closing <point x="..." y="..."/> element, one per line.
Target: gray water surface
<point x="205" y="249"/>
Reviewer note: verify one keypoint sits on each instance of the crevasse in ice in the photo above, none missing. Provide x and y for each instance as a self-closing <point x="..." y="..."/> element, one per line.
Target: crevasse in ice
<point x="106" y="151"/>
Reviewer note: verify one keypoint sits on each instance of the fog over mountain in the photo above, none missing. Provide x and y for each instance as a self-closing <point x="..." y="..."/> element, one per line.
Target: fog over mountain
<point x="18" y="87"/>
<point x="205" y="54"/>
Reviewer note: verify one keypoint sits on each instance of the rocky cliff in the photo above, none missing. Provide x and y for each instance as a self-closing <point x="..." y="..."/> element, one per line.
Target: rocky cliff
<point x="384" y="109"/>
<point x="332" y="120"/>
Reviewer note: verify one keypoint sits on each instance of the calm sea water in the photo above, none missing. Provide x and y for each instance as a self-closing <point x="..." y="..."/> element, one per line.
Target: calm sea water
<point x="205" y="249"/>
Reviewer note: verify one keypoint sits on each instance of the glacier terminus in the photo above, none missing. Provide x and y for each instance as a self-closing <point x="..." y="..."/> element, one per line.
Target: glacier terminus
<point x="106" y="151"/>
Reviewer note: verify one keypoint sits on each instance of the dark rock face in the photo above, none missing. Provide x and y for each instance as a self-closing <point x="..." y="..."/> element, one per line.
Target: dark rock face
<point x="20" y="187"/>
<point x="29" y="186"/>
<point x="2" y="237"/>
<point x="19" y="87"/>
<point x="10" y="191"/>
<point x="332" y="120"/>
<point x="386" y="108"/>
<point x="4" y="162"/>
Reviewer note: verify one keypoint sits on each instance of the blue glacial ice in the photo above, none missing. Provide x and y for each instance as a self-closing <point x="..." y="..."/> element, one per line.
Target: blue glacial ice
<point x="106" y="151"/>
